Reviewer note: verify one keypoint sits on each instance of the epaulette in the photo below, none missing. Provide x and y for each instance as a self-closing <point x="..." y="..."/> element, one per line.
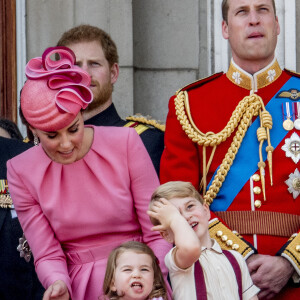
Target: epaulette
<point x="292" y="73"/>
<point x="5" y="198"/>
<point x="229" y="240"/>
<point x="291" y="250"/>
<point x="199" y="82"/>
<point x="141" y="123"/>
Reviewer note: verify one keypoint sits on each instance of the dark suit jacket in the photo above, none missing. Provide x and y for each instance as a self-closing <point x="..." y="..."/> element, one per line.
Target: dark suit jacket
<point x="18" y="279"/>
<point x="152" y="138"/>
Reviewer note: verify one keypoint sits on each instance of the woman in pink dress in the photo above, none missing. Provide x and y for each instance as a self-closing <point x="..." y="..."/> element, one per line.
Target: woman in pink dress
<point x="83" y="190"/>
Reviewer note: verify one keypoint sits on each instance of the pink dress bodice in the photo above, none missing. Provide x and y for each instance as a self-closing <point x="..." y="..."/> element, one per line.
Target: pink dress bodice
<point x="83" y="210"/>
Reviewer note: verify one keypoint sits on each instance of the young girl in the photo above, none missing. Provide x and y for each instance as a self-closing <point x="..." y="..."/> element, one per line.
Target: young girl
<point x="133" y="272"/>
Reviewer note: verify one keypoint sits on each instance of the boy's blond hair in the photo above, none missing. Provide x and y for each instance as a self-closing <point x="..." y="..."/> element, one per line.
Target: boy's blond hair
<point x="174" y="189"/>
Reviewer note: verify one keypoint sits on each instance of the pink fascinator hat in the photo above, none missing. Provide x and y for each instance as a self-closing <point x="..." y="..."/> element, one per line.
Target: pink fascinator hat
<point x="55" y="91"/>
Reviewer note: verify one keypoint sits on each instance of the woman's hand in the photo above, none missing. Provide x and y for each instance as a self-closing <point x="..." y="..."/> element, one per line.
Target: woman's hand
<point x="58" y="291"/>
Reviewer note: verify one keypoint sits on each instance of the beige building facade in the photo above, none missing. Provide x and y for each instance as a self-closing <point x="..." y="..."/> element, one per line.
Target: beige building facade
<point x="163" y="44"/>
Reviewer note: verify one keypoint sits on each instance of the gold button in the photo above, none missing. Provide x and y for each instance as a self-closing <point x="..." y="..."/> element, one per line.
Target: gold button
<point x="257" y="203"/>
<point x="257" y="190"/>
<point x="298" y="248"/>
<point x="229" y="243"/>
<point x="219" y="233"/>
<point x="235" y="246"/>
<point x="256" y="177"/>
<point x="224" y="238"/>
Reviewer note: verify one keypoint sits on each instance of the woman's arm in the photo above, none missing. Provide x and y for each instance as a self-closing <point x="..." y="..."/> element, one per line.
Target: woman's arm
<point x="50" y="261"/>
<point x="143" y="183"/>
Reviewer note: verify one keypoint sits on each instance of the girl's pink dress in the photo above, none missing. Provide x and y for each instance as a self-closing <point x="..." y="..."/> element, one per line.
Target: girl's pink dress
<point x="74" y="215"/>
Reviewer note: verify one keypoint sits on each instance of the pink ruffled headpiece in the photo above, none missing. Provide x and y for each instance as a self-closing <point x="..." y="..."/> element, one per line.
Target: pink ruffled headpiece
<point x="55" y="91"/>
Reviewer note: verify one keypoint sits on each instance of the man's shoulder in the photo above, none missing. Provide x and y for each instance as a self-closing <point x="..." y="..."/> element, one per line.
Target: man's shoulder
<point x="292" y="73"/>
<point x="143" y="123"/>
<point x="201" y="82"/>
<point x="12" y="147"/>
<point x="151" y="133"/>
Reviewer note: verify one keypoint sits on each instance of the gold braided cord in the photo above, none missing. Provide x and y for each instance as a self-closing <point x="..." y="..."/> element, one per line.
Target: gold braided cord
<point x="247" y="108"/>
<point x="209" y="138"/>
<point x="206" y="167"/>
<point x="268" y="124"/>
<point x="147" y="120"/>
<point x="204" y="171"/>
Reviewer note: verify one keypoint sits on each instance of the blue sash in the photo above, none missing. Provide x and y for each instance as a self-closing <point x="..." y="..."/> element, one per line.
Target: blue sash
<point x="245" y="163"/>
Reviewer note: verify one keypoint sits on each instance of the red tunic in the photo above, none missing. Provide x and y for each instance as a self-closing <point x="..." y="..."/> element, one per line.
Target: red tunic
<point x="212" y="102"/>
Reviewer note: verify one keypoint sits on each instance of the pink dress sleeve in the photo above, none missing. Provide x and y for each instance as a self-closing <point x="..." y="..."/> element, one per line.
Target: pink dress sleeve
<point x="39" y="233"/>
<point x="143" y="183"/>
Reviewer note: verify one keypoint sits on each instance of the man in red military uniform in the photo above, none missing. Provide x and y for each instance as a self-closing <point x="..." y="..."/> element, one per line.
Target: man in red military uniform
<point x="235" y="135"/>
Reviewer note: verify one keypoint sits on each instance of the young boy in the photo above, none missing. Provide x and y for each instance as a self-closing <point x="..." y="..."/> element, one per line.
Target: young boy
<point x="177" y="211"/>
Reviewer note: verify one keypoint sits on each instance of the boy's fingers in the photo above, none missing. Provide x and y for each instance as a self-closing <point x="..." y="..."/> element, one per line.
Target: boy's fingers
<point x="163" y="201"/>
<point x="151" y="213"/>
<point x="157" y="204"/>
<point x="158" y="228"/>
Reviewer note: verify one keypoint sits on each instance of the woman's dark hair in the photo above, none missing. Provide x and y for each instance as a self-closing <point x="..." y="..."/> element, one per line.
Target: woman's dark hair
<point x="11" y="128"/>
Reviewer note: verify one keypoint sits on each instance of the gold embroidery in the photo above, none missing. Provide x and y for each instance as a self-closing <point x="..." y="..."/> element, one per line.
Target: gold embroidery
<point x="292" y="250"/>
<point x="139" y="128"/>
<point x="258" y="80"/>
<point x="147" y="120"/>
<point x="227" y="239"/>
<point x="5" y="199"/>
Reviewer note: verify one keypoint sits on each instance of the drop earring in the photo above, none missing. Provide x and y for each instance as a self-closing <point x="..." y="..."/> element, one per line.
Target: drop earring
<point x="35" y="140"/>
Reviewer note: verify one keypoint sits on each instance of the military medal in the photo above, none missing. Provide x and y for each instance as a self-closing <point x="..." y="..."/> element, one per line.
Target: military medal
<point x="5" y="199"/>
<point x="292" y="147"/>
<point x="287" y="124"/>
<point x="296" y="109"/>
<point x="293" y="183"/>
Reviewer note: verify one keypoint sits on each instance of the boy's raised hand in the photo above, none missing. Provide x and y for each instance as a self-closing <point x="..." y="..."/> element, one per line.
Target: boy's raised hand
<point x="175" y="229"/>
<point x="165" y="212"/>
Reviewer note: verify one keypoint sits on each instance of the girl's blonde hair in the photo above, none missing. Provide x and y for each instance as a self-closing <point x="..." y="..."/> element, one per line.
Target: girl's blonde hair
<point x="159" y="286"/>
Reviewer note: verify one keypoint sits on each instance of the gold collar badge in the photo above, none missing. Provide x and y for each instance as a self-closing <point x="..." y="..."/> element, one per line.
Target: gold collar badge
<point x="256" y="81"/>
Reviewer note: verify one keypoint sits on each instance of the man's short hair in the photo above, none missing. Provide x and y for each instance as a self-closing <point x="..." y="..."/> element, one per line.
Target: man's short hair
<point x="174" y="189"/>
<point x="88" y="33"/>
<point x="225" y="7"/>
